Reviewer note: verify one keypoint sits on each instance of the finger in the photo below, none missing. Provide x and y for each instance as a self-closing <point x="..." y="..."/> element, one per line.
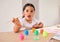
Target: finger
<point x="17" y="18"/>
<point x="13" y="20"/>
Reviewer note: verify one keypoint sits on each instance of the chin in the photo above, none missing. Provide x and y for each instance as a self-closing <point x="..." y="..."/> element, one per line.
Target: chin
<point x="29" y="19"/>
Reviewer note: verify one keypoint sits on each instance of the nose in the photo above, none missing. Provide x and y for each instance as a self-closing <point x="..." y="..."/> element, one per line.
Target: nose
<point x="29" y="13"/>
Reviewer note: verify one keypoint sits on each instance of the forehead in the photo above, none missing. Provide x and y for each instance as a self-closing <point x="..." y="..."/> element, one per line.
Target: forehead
<point x="29" y="8"/>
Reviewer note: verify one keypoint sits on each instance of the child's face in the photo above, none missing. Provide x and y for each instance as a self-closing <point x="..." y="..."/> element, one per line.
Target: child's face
<point x="29" y="12"/>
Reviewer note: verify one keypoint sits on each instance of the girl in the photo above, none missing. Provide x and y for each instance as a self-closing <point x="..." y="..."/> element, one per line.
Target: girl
<point x="27" y="21"/>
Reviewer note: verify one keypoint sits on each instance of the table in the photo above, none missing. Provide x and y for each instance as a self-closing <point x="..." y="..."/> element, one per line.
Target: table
<point x="14" y="37"/>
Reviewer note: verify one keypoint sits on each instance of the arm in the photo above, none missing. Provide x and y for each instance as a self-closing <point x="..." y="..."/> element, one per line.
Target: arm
<point x="17" y="24"/>
<point x="17" y="28"/>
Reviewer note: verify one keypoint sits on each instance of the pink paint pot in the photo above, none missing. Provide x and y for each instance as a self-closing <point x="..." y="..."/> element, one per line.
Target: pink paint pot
<point x="21" y="36"/>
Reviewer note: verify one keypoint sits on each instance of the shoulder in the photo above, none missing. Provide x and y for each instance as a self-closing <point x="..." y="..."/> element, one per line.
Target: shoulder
<point x="21" y="19"/>
<point x="36" y="20"/>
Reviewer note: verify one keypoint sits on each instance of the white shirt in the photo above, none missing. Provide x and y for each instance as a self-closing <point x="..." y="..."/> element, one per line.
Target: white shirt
<point x="25" y="24"/>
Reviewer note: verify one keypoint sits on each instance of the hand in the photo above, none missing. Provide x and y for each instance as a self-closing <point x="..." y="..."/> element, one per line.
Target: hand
<point x="40" y="25"/>
<point x="16" y="21"/>
<point x="36" y="26"/>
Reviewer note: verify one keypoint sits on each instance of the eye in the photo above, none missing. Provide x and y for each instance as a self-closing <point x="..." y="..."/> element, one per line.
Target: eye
<point x="26" y="10"/>
<point x="31" y="11"/>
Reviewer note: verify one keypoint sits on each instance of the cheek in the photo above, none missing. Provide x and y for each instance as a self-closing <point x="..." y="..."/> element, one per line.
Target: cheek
<point x="26" y="15"/>
<point x="32" y="14"/>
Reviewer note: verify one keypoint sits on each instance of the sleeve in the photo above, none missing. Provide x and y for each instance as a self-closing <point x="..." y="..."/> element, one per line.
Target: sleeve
<point x="21" y="21"/>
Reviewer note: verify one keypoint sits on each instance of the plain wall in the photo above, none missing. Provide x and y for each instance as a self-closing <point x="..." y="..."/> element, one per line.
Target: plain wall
<point x="49" y="12"/>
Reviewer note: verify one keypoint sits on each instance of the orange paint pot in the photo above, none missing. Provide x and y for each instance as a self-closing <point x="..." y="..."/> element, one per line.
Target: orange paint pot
<point x="41" y="31"/>
<point x="33" y="29"/>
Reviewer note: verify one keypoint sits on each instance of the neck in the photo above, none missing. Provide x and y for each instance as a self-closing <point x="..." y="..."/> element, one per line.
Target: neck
<point x="29" y="21"/>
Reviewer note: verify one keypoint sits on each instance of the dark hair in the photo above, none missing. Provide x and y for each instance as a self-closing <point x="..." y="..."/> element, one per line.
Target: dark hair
<point x="28" y="4"/>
